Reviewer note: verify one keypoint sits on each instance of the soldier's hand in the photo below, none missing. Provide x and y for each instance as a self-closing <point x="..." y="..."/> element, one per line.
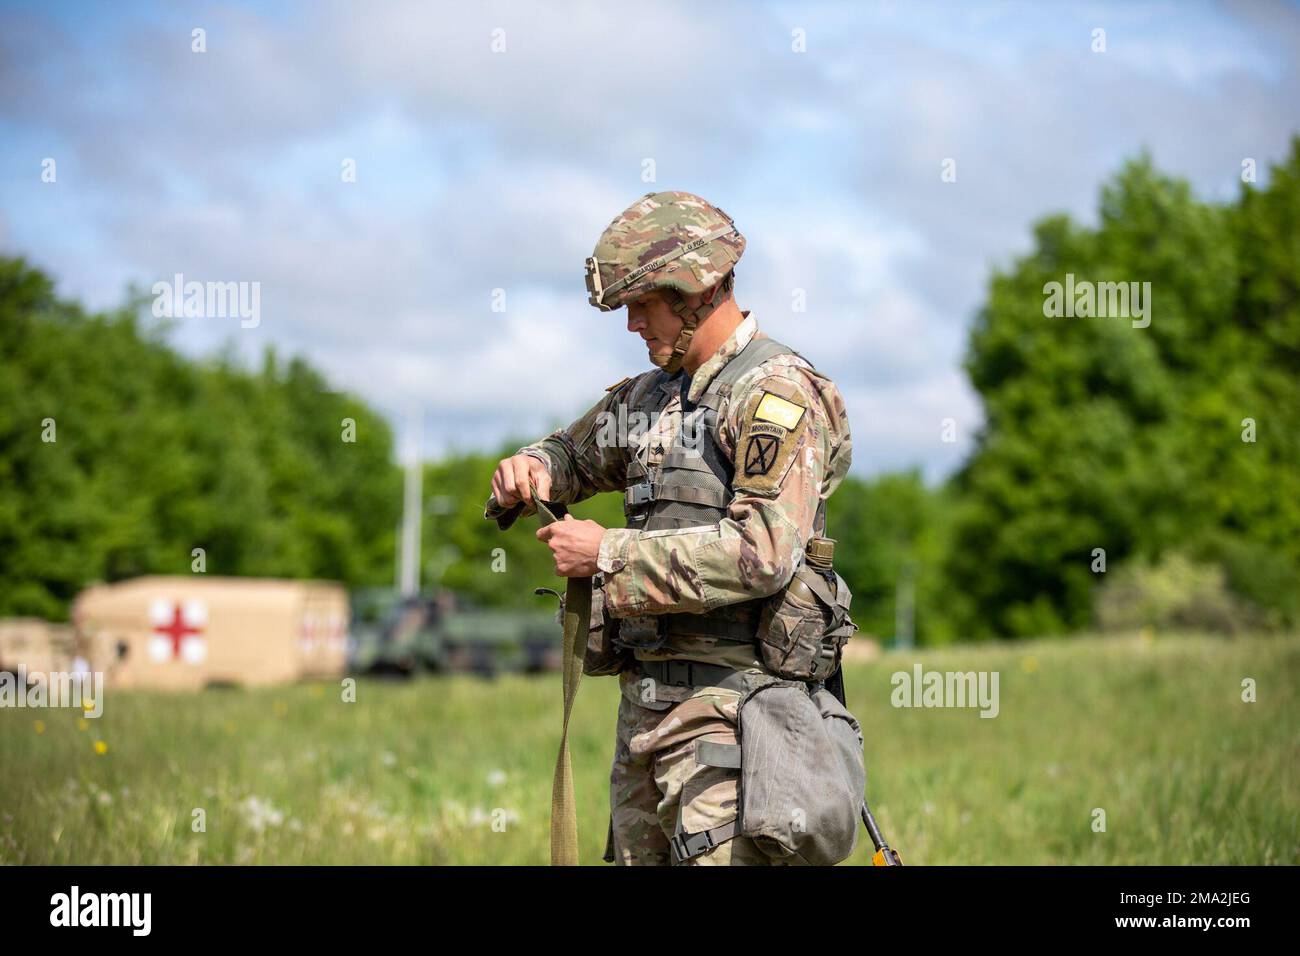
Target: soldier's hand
<point x="574" y="544"/>
<point x="510" y="480"/>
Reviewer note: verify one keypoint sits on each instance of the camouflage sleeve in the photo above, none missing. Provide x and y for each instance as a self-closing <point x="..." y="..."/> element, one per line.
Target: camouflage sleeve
<point x="788" y="437"/>
<point x="580" y="460"/>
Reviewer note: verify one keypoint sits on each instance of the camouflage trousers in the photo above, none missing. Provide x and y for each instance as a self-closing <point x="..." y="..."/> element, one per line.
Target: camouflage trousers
<point x="658" y="788"/>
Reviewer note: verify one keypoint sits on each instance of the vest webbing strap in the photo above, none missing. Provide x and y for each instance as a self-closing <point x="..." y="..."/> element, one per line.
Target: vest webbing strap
<point x="755" y="353"/>
<point x="639" y="494"/>
<point x="577" y="619"/>
<point x="709" y="459"/>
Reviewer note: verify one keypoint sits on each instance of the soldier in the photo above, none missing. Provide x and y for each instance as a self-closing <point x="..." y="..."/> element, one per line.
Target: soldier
<point x="725" y="454"/>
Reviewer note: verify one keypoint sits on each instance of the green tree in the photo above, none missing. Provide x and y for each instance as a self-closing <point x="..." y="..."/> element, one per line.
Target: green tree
<point x="1102" y="435"/>
<point x="154" y="455"/>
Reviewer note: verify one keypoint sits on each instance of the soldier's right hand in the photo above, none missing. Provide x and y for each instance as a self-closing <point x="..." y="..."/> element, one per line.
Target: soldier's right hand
<point x="510" y="481"/>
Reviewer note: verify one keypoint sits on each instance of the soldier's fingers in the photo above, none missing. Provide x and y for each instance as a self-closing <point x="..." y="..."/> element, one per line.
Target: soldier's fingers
<point x="505" y="477"/>
<point x="499" y="490"/>
<point x="542" y="479"/>
<point x="517" y="477"/>
<point x="521" y="478"/>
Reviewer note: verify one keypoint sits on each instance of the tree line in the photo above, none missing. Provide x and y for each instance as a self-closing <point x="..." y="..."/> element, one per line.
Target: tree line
<point x="1140" y="469"/>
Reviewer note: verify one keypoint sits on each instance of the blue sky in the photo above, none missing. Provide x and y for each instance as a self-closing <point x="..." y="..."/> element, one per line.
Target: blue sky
<point x="481" y="170"/>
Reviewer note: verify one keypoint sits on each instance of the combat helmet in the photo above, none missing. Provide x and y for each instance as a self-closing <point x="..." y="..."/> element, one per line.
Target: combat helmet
<point x="672" y="241"/>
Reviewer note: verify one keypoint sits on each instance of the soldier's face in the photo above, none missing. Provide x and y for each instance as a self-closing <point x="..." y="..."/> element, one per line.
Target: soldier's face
<point x="652" y="319"/>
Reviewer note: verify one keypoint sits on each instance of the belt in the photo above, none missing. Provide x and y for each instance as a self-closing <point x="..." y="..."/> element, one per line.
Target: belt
<point x="698" y="624"/>
<point x="693" y="674"/>
<point x="687" y="625"/>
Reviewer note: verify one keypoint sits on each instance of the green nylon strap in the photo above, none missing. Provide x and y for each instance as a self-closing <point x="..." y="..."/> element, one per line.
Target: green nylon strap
<point x="687" y="846"/>
<point x="691" y="494"/>
<point x="577" y="619"/>
<point x="817" y="584"/>
<point x="710" y="753"/>
<point x="695" y="625"/>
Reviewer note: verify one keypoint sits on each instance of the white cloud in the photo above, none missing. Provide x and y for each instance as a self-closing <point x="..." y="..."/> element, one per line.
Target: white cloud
<point x="480" y="171"/>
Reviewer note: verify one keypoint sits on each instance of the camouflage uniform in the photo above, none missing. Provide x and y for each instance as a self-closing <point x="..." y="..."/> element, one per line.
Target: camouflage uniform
<point x="748" y="555"/>
<point x="789" y="424"/>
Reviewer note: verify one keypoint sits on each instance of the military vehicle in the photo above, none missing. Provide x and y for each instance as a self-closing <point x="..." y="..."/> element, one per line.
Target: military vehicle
<point x="409" y="627"/>
<point x="444" y="632"/>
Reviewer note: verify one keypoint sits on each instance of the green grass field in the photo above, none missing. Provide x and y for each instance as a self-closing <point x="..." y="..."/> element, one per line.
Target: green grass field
<point x="1152" y="731"/>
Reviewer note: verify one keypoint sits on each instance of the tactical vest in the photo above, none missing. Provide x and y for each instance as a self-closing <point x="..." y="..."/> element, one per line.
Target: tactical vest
<point x="692" y="487"/>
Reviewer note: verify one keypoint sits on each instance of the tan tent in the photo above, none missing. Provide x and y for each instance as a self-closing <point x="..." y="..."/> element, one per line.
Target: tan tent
<point x="37" y="646"/>
<point x="323" y="632"/>
<point x="183" y="633"/>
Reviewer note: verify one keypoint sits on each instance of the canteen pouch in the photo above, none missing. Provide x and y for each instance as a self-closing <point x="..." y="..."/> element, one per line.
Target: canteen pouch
<point x="802" y="773"/>
<point x="804" y="626"/>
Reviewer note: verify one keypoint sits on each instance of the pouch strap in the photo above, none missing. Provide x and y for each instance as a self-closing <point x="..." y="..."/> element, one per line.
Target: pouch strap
<point x="819" y="586"/>
<point x="711" y="753"/>
<point x="687" y="846"/>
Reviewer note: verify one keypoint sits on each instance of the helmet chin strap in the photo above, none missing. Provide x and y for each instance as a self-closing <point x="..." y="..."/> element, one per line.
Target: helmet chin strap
<point x="671" y="363"/>
<point x="691" y="319"/>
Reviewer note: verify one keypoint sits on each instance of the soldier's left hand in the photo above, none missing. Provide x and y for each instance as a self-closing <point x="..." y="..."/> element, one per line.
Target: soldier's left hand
<point x="574" y="545"/>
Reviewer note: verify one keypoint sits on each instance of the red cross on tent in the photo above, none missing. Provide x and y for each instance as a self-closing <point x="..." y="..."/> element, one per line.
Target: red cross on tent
<point x="178" y="629"/>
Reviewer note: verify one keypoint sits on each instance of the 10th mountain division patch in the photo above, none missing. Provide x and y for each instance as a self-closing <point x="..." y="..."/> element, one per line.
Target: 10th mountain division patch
<point x="768" y="441"/>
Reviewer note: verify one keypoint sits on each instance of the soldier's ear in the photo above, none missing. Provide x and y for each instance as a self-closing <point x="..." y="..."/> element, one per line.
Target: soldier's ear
<point x="719" y="292"/>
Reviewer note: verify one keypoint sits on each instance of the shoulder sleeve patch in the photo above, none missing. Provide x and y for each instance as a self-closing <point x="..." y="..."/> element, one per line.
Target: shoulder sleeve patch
<point x="770" y="433"/>
<point x="779" y="411"/>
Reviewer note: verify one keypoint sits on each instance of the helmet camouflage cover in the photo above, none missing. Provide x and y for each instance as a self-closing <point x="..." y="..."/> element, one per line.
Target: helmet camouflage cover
<point x="666" y="240"/>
